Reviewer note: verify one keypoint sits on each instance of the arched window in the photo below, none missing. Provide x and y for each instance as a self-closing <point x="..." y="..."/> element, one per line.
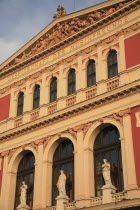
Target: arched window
<point x="71" y="82"/>
<point x="112" y="64"/>
<point x="63" y="160"/>
<point x="91" y="73"/>
<point x="36" y="97"/>
<point x="107" y="145"/>
<point x="20" y="103"/>
<point x="53" y="89"/>
<point x="25" y="173"/>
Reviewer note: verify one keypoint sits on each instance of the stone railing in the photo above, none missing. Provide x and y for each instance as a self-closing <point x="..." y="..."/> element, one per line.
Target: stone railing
<point x="52" y="108"/>
<point x="52" y="208"/>
<point x="96" y="201"/>
<point x="119" y="196"/>
<point x="90" y="93"/>
<point x="18" y="121"/>
<point x="70" y="100"/>
<point x="70" y="206"/>
<point x="112" y="84"/>
<point x="34" y="115"/>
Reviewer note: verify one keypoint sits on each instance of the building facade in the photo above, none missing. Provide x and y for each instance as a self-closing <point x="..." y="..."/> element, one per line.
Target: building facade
<point x="70" y="98"/>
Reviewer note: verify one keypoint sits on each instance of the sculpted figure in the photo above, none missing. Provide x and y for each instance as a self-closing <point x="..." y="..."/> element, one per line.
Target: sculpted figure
<point x="91" y="18"/>
<point x="36" y="49"/>
<point x="106" y="172"/>
<point x="43" y="43"/>
<point x="23" y="193"/>
<point x="23" y="57"/>
<point x="61" y="184"/>
<point x="98" y="15"/>
<point x="110" y="11"/>
<point x="60" y="12"/>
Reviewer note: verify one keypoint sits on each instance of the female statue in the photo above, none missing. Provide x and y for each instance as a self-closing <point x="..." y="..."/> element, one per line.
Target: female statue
<point x="61" y="183"/>
<point x="106" y="172"/>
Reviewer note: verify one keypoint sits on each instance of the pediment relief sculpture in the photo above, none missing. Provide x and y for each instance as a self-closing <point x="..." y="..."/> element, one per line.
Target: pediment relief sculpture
<point x="64" y="29"/>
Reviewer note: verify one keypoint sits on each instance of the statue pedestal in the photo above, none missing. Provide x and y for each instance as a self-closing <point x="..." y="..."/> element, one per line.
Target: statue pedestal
<point x="60" y="201"/>
<point x="107" y="193"/>
<point x="23" y="207"/>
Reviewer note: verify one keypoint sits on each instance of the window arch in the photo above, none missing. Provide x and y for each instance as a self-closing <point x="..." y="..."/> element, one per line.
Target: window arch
<point x="25" y="173"/>
<point x="20" y="103"/>
<point x="71" y="82"/>
<point x="112" y="64"/>
<point x="36" y="97"/>
<point x="63" y="160"/>
<point x="53" y="89"/>
<point x="107" y="145"/>
<point x="91" y="73"/>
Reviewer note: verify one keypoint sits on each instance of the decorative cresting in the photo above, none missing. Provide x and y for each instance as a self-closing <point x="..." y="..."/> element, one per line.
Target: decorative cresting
<point x="66" y="29"/>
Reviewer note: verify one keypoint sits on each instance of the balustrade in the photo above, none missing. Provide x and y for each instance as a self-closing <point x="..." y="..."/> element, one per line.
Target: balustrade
<point x="18" y="122"/>
<point x="34" y="115"/>
<point x="52" y="108"/>
<point x="71" y="100"/>
<point x="112" y="84"/>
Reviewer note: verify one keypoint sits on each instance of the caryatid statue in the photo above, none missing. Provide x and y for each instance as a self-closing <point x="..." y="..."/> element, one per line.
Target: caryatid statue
<point x="106" y="172"/>
<point x="61" y="184"/>
<point x="23" y="188"/>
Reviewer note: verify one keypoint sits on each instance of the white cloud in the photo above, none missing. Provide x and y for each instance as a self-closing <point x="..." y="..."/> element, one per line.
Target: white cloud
<point x="7" y="48"/>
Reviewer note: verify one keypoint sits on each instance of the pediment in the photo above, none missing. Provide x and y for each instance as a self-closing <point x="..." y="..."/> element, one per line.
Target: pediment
<point x="63" y="30"/>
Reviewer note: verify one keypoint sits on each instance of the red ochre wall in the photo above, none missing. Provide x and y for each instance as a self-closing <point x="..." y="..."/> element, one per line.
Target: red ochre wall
<point x="132" y="50"/>
<point x="136" y="142"/>
<point x="1" y="170"/>
<point x="4" y="107"/>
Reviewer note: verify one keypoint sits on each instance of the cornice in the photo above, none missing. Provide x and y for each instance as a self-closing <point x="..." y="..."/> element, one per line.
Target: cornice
<point x="75" y="110"/>
<point x="82" y="33"/>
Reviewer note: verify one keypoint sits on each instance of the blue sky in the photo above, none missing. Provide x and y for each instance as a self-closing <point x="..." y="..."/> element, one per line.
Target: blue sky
<point x="20" y="20"/>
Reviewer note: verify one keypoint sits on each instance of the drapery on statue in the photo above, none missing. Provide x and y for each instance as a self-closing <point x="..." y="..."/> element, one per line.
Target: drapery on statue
<point x="106" y="172"/>
<point x="61" y="184"/>
<point x="23" y="193"/>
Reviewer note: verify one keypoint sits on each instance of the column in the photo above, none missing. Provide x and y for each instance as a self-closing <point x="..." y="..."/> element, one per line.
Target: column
<point x="38" y="179"/>
<point x="3" y="196"/>
<point x="79" y="172"/>
<point x="101" y="73"/>
<point x="130" y="176"/>
<point x="27" y="103"/>
<point x="46" y="184"/>
<point x="124" y="77"/>
<point x="80" y="76"/>
<point x="44" y="96"/>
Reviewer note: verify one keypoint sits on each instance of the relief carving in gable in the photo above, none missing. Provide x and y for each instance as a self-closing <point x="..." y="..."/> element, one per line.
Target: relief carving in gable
<point x="65" y="29"/>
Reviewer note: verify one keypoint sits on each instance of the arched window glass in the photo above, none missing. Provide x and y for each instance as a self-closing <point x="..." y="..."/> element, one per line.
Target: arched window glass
<point x="91" y="73"/>
<point x="112" y="64"/>
<point x="25" y="173"/>
<point x="71" y="82"/>
<point x="107" y="145"/>
<point x="63" y="160"/>
<point x="36" y="97"/>
<point x="20" y="103"/>
<point x="53" y="89"/>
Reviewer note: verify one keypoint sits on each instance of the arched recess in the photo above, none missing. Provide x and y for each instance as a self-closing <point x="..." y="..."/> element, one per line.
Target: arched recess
<point x="89" y="144"/>
<point x="105" y="59"/>
<point x="13" y="174"/>
<point x="48" y="165"/>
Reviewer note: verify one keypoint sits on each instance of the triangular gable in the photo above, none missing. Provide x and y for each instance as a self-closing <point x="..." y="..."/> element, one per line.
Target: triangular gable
<point x="63" y="30"/>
